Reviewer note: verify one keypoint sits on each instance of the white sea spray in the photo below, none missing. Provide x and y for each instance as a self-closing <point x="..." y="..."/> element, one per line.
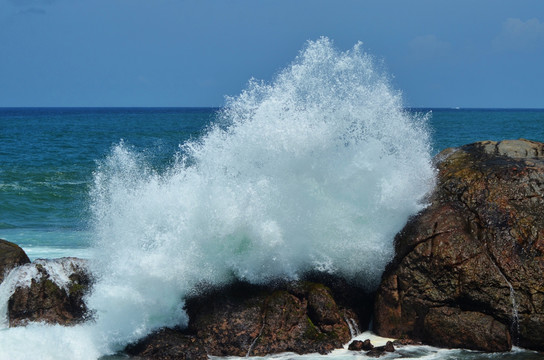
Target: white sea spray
<point x="317" y="170"/>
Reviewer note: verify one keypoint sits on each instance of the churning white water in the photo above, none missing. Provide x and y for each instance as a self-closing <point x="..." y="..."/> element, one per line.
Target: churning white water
<point x="317" y="170"/>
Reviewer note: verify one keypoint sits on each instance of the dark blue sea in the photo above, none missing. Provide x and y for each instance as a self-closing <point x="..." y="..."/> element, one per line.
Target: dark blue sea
<point x="48" y="156"/>
<point x="86" y="181"/>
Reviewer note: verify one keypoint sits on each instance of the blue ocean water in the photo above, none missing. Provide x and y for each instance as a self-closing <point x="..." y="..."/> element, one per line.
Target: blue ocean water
<point x="48" y="156"/>
<point x="457" y="127"/>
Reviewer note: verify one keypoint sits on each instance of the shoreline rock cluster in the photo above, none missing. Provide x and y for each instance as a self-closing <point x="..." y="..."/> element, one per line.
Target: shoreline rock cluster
<point x="37" y="292"/>
<point x="468" y="269"/>
<point x="244" y="319"/>
<point x="468" y="273"/>
<point x="370" y="349"/>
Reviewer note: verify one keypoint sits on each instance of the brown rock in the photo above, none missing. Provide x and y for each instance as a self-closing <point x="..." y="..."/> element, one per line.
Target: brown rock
<point x="11" y="255"/>
<point x="227" y="324"/>
<point x="367" y="345"/>
<point x="476" y="252"/>
<point x="355" y="345"/>
<point x="356" y="303"/>
<point x="404" y="342"/>
<point x="381" y="350"/>
<point x="45" y="300"/>
<point x="168" y="344"/>
<point x="253" y="320"/>
<point x="389" y="347"/>
<point x="285" y="323"/>
<point x="358" y="345"/>
<point x="472" y="330"/>
<point x="244" y="319"/>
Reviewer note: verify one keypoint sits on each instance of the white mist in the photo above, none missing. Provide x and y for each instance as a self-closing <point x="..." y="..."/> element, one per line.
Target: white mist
<point x="316" y="171"/>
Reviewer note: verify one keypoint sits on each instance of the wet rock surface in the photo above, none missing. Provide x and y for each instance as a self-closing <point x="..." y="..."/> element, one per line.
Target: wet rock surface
<point x="371" y="350"/>
<point x="50" y="299"/>
<point x="11" y="255"/>
<point x="358" y="345"/>
<point x="243" y="319"/>
<point x="168" y="344"/>
<point x="468" y="269"/>
<point x="452" y="327"/>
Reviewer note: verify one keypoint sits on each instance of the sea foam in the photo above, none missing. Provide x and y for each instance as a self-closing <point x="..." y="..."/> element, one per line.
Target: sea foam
<point x="317" y="170"/>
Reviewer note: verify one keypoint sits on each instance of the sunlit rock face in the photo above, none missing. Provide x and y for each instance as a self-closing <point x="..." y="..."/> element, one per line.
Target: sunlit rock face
<point x="46" y="291"/>
<point x="11" y="255"/>
<point x="475" y="256"/>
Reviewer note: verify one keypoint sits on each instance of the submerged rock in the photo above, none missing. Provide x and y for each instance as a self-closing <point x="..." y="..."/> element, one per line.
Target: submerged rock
<point x="244" y="319"/>
<point x="468" y="269"/>
<point x="381" y="350"/>
<point x="358" y="345"/>
<point x="11" y="255"/>
<point x="371" y="351"/>
<point x="50" y="291"/>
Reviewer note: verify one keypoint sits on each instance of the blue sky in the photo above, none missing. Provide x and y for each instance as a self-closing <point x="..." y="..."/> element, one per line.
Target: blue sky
<point x="477" y="53"/>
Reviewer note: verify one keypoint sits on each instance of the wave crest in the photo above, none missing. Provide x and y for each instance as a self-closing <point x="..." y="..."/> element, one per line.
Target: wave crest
<point x="317" y="170"/>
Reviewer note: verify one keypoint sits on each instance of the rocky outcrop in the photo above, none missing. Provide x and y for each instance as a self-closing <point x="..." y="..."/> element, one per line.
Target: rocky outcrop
<point x="468" y="269"/>
<point x="369" y="349"/>
<point x="11" y="255"/>
<point x="358" y="345"/>
<point x="452" y="327"/>
<point x="168" y="344"/>
<point x="379" y="351"/>
<point x="43" y="291"/>
<point x="243" y="319"/>
<point x="53" y="293"/>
